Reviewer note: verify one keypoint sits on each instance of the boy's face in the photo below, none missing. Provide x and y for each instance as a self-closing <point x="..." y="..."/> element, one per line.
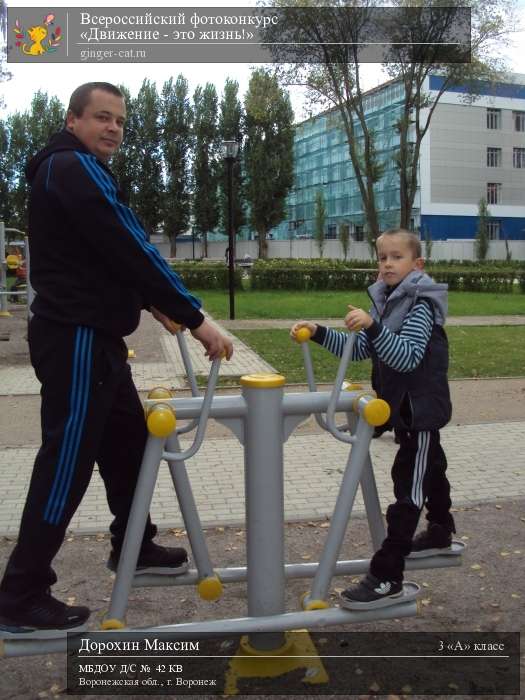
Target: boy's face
<point x="396" y="259"/>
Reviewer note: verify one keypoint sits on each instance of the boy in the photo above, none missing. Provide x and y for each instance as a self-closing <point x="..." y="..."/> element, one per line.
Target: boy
<point x="404" y="336"/>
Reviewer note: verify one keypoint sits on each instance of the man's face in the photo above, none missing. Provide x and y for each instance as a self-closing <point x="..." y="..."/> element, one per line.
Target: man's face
<point x="101" y="126"/>
<point x="396" y="259"/>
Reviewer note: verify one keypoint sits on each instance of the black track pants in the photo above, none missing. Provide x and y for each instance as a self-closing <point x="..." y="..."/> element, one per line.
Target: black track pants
<point x="90" y="412"/>
<point x="419" y="480"/>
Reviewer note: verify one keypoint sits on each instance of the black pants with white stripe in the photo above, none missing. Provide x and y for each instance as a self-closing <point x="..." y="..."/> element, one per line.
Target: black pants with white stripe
<point x="90" y="412"/>
<point x="419" y="480"/>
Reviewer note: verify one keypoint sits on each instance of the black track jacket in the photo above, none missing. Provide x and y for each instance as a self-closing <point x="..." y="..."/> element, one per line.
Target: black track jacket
<point x="90" y="262"/>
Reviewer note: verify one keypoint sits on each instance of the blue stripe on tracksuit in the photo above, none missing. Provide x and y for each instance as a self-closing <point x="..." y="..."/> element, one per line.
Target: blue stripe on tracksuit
<point x="128" y="219"/>
<point x="78" y="401"/>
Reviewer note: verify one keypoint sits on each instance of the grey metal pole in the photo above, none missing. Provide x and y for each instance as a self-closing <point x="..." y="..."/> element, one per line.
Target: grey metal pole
<point x="231" y="242"/>
<point x="264" y="484"/>
<point x="189" y="511"/>
<point x="135" y="531"/>
<point x="342" y="511"/>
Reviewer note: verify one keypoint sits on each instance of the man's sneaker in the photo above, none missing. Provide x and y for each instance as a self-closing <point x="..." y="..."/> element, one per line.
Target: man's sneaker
<point x="371" y="593"/>
<point x="155" y="559"/>
<point x="433" y="541"/>
<point x="44" y="617"/>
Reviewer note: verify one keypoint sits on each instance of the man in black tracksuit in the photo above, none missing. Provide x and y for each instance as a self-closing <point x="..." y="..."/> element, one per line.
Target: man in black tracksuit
<point x="93" y="272"/>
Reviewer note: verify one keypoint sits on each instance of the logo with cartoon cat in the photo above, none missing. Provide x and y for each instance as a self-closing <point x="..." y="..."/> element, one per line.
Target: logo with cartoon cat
<point x="40" y="39"/>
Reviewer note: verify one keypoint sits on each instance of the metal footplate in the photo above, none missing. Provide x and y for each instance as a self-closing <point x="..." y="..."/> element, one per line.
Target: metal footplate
<point x="456" y="549"/>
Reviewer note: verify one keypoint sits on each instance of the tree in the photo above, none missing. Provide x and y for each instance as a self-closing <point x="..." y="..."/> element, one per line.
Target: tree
<point x="320" y="220"/>
<point x="334" y="81"/>
<point x="481" y="242"/>
<point x="147" y="199"/>
<point x="176" y="139"/>
<point x="344" y="238"/>
<point x="230" y="129"/>
<point x="205" y="198"/>
<point x="268" y="153"/>
<point x="4" y="169"/>
<point x="4" y="73"/>
<point x="125" y="164"/>
<point x="427" y="235"/>
<point x="28" y="133"/>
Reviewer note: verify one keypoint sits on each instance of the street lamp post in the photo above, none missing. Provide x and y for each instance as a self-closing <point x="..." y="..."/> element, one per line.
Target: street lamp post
<point x="229" y="151"/>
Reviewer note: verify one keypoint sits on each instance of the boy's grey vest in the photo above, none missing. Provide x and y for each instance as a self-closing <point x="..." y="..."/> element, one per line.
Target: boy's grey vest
<point x="419" y="400"/>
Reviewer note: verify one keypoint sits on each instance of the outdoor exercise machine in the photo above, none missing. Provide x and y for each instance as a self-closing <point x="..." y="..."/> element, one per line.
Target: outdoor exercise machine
<point x="262" y="418"/>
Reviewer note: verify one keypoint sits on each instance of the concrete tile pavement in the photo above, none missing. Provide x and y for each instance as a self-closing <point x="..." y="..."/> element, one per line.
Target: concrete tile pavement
<point x="485" y="463"/>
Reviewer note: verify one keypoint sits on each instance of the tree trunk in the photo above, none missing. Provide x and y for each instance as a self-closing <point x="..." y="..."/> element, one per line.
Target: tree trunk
<point x="173" y="246"/>
<point x="205" y="244"/>
<point x="263" y="245"/>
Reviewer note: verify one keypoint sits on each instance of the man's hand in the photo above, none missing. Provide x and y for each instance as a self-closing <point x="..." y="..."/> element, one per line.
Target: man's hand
<point x="356" y="319"/>
<point x="171" y="326"/>
<point x="215" y="343"/>
<point x="312" y="327"/>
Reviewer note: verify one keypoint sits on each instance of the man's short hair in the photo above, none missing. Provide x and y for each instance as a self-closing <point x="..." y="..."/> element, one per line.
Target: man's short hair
<point x="81" y="96"/>
<point x="411" y="238"/>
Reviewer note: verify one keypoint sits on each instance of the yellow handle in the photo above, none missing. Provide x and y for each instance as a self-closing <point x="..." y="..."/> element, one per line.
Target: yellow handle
<point x="303" y="335"/>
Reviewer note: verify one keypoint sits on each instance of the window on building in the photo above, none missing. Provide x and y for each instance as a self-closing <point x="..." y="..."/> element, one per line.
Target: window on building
<point x="519" y="121"/>
<point x="518" y="157"/>
<point x="493" y="192"/>
<point x="331" y="231"/>
<point x="359" y="233"/>
<point x="493" y="157"/>
<point x="493" y="230"/>
<point x="493" y="118"/>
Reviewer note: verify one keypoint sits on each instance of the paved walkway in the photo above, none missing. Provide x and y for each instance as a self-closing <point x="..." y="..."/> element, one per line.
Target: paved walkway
<point x="247" y="324"/>
<point x="485" y="461"/>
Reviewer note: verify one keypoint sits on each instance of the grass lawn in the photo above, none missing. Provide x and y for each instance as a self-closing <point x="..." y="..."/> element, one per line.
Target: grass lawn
<point x="296" y="305"/>
<point x="475" y="351"/>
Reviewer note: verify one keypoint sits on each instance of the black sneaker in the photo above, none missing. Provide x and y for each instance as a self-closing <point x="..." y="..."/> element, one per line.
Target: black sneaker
<point x="156" y="559"/>
<point x="433" y="541"/>
<point x="371" y="593"/>
<point x="44" y="617"/>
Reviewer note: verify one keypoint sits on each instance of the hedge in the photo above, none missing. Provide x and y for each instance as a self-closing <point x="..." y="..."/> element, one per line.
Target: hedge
<point x="331" y="275"/>
<point x="200" y="275"/>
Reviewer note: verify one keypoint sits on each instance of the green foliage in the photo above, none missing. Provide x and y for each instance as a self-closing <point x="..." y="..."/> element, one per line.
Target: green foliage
<point x="199" y="275"/>
<point x="344" y="238"/>
<point x="481" y="242"/>
<point x="125" y="163"/>
<point x="176" y="141"/>
<point x="268" y="153"/>
<point x="320" y="220"/>
<point x="147" y="118"/>
<point x="205" y="195"/>
<point x="230" y="129"/>
<point x="427" y="237"/>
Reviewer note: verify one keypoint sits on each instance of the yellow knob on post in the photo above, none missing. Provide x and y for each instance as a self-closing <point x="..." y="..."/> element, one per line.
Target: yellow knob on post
<point x="303" y="335"/>
<point x="210" y="588"/>
<point x="376" y="412"/>
<point x="112" y="624"/>
<point x="161" y="420"/>
<point x="159" y="392"/>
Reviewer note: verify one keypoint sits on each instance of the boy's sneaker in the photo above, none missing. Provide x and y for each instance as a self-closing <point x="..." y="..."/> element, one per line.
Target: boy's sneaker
<point x="44" y="617"/>
<point x="371" y="593"/>
<point x="156" y="559"/>
<point x="435" y="540"/>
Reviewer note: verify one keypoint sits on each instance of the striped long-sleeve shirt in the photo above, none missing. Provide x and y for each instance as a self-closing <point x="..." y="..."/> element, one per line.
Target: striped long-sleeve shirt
<point x="401" y="351"/>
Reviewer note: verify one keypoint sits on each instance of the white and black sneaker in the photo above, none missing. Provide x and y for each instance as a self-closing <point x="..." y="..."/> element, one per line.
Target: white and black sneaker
<point x="371" y="593"/>
<point x="44" y="617"/>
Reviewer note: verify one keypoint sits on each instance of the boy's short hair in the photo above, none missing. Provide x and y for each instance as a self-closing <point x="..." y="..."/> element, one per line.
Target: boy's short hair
<point x="81" y="96"/>
<point x="411" y="238"/>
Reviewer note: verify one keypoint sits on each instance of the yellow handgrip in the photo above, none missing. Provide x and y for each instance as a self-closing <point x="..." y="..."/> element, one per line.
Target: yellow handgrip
<point x="303" y="335"/>
<point x="376" y="412"/>
<point x="12" y="262"/>
<point x="161" y="420"/>
<point x="316" y="604"/>
<point x="210" y="588"/>
<point x="112" y="624"/>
